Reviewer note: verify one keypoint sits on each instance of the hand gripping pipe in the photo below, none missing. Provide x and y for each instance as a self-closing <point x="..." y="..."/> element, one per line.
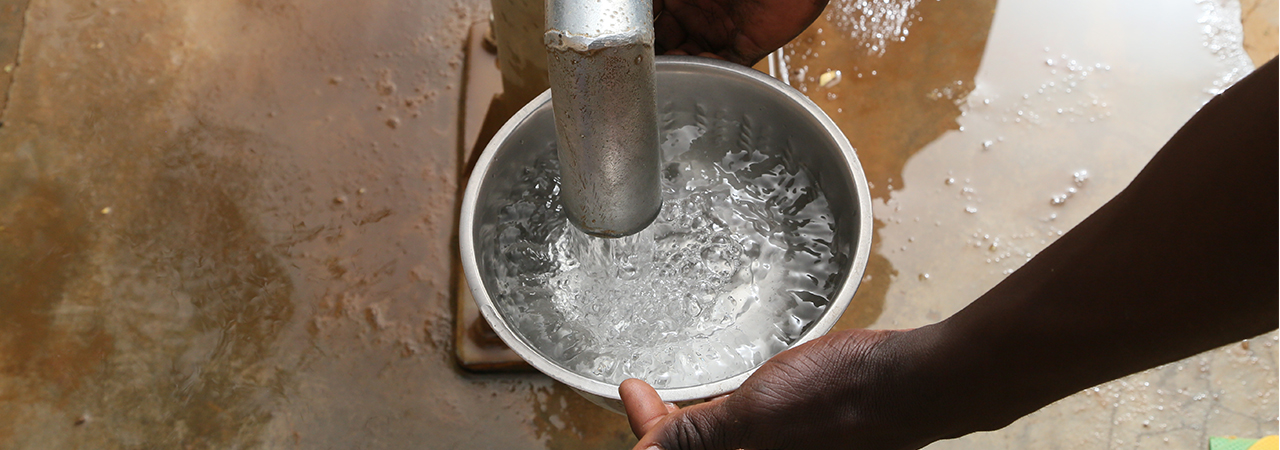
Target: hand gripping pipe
<point x="601" y="71"/>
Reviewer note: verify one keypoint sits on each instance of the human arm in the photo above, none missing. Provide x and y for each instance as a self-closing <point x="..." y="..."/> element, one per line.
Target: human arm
<point x="1182" y="261"/>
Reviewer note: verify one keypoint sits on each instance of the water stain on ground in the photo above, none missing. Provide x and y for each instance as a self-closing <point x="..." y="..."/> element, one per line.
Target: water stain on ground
<point x="903" y="69"/>
<point x="183" y="271"/>
<point x="197" y="237"/>
<point x="567" y="421"/>
<point x="42" y="245"/>
<point x="142" y="296"/>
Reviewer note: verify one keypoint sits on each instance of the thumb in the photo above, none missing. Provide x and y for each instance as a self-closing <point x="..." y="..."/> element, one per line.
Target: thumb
<point x="706" y="426"/>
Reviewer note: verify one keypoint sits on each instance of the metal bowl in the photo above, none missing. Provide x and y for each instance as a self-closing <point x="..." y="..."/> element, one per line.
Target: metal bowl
<point x="683" y="85"/>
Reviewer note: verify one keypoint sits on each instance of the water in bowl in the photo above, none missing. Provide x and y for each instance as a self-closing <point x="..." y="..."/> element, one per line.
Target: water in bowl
<point x="737" y="265"/>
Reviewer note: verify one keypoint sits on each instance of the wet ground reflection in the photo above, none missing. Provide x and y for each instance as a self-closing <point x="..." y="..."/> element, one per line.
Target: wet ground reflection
<point x="1060" y="110"/>
<point x="903" y="67"/>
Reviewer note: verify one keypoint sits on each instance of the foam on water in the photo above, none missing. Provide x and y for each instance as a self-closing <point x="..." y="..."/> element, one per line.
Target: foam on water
<point x="737" y="265"/>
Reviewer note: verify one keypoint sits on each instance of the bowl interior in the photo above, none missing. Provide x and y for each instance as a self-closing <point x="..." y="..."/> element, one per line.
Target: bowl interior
<point x="690" y="91"/>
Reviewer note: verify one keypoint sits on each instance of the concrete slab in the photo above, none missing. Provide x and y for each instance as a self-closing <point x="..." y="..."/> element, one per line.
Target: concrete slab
<point x="231" y="224"/>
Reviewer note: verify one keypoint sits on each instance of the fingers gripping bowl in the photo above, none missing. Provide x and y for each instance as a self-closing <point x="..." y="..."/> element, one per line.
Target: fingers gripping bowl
<point x="763" y="237"/>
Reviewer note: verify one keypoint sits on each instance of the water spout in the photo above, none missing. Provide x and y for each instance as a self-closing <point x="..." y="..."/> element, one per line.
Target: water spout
<point x="601" y="71"/>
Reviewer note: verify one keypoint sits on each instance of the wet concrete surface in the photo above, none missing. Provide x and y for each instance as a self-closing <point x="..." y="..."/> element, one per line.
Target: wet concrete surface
<point x="882" y="101"/>
<point x="988" y="137"/>
<point x="229" y="225"/>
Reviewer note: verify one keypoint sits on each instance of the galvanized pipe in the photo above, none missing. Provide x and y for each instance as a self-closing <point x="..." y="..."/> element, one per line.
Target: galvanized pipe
<point x="601" y="71"/>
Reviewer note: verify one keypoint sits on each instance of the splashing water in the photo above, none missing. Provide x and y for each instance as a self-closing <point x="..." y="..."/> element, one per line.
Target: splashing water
<point x="874" y="23"/>
<point x="1224" y="37"/>
<point x="737" y="265"/>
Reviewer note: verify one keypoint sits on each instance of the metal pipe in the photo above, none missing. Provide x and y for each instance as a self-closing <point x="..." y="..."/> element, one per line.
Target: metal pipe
<point x="601" y="71"/>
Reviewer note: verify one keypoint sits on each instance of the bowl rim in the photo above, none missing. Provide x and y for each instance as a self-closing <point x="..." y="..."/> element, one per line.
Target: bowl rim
<point x="835" y="309"/>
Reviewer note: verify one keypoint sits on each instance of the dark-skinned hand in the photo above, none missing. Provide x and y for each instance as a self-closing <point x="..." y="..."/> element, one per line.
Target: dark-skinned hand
<point x="838" y="391"/>
<point x="1143" y="281"/>
<point x="740" y="31"/>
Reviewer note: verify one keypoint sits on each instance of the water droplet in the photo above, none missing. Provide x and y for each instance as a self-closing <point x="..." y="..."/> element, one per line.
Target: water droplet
<point x="1080" y="176"/>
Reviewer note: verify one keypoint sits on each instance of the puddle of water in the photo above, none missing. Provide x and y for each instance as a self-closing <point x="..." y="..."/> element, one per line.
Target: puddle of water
<point x="1057" y="122"/>
<point x="983" y="155"/>
<point x="885" y="100"/>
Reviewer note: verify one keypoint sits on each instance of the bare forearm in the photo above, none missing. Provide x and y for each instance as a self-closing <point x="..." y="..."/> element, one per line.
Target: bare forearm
<point x="1182" y="261"/>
